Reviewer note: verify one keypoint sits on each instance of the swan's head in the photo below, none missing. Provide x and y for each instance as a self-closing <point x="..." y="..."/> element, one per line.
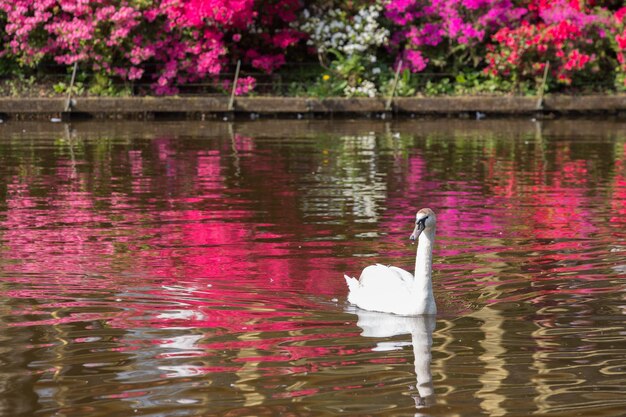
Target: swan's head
<point x="425" y="219"/>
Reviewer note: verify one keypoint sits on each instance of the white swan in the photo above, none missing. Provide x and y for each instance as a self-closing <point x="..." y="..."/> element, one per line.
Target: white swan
<point x="421" y="330"/>
<point x="393" y="290"/>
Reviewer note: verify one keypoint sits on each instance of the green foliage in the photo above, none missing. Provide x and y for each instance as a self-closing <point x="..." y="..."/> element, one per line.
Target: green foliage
<point x="620" y="82"/>
<point x="406" y="87"/>
<point x="471" y="83"/>
<point x="8" y="66"/>
<point x="327" y="86"/>
<point x="436" y="88"/>
<point x="478" y="83"/>
<point x="63" y="88"/>
<point x="351" y="67"/>
<point x="19" y="85"/>
<point x="102" y="85"/>
<point x="344" y="76"/>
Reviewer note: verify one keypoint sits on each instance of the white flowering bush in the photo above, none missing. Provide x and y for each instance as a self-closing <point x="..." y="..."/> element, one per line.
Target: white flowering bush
<point x="348" y="44"/>
<point x="348" y="35"/>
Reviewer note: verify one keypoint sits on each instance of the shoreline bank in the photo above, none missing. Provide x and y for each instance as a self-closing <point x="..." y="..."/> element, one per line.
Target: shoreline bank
<point x="201" y="108"/>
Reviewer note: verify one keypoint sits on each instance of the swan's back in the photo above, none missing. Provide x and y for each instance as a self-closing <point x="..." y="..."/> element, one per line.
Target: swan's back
<point x="381" y="276"/>
<point x="386" y="289"/>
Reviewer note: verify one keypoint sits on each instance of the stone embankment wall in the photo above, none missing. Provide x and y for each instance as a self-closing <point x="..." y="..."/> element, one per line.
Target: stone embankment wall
<point x="295" y="107"/>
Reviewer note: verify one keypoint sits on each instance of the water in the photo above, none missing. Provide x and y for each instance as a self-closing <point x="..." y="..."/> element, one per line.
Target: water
<point x="186" y="269"/>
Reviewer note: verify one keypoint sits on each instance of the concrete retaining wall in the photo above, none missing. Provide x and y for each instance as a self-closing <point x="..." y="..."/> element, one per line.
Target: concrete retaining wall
<point x="201" y="107"/>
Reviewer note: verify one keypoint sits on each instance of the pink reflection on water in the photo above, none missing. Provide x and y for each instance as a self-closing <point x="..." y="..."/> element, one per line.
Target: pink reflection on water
<point x="179" y="254"/>
<point x="618" y="188"/>
<point x="52" y="233"/>
<point x="562" y="207"/>
<point x="194" y="228"/>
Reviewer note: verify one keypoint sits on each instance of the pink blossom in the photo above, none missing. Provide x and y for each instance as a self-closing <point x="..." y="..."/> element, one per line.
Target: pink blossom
<point x="244" y="85"/>
<point x="267" y="63"/>
<point x="122" y="72"/>
<point x="236" y="13"/>
<point x="151" y="14"/>
<point x="286" y="38"/>
<point x="415" y="60"/>
<point x="135" y="73"/>
<point x="209" y="62"/>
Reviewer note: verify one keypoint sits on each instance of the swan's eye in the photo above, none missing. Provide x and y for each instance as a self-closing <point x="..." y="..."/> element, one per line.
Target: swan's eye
<point x="422" y="222"/>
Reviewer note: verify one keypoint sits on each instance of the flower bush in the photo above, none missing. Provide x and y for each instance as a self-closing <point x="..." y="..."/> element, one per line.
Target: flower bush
<point x="348" y="45"/>
<point x="463" y="46"/>
<point x="336" y="30"/>
<point x="172" y="42"/>
<point x="620" y="46"/>
<point x="568" y="37"/>
<point x="447" y="34"/>
<point x="6" y="62"/>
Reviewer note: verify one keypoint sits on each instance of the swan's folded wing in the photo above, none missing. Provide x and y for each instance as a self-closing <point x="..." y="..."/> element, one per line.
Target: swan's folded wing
<point x="384" y="276"/>
<point x="406" y="276"/>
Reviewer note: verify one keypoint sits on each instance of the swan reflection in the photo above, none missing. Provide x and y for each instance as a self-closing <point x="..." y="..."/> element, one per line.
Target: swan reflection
<point x="420" y="328"/>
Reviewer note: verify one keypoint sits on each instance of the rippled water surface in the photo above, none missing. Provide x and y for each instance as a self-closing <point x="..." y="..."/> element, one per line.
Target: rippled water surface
<point x="186" y="269"/>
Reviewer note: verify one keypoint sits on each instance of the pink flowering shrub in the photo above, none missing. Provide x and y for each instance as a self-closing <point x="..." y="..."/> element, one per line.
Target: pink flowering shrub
<point x="511" y="40"/>
<point x="244" y="85"/>
<point x="170" y="42"/>
<point x="447" y="33"/>
<point x="569" y="37"/>
<point x="522" y="53"/>
<point x="620" y="45"/>
<point x="6" y="64"/>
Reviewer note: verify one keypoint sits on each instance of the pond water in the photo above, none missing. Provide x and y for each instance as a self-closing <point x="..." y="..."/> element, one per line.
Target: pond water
<point x="196" y="268"/>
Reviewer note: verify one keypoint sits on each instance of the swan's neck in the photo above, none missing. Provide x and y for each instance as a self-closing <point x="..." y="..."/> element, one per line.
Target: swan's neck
<point x="424" y="259"/>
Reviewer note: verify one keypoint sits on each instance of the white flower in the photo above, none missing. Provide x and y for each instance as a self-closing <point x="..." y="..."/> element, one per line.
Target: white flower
<point x="334" y="29"/>
<point x="365" y="89"/>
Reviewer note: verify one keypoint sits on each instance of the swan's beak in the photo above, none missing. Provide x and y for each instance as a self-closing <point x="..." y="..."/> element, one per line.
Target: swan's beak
<point x="416" y="233"/>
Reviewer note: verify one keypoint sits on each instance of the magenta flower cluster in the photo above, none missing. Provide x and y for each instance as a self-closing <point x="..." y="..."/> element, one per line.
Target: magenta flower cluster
<point x="424" y="27"/>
